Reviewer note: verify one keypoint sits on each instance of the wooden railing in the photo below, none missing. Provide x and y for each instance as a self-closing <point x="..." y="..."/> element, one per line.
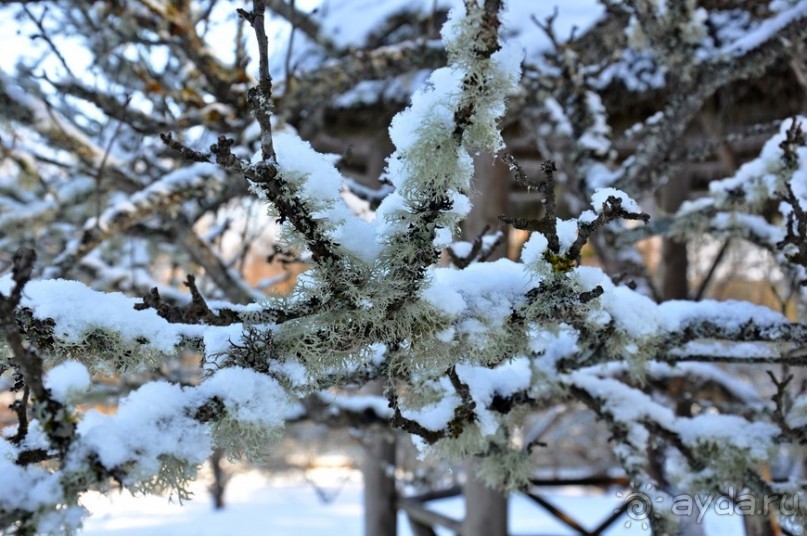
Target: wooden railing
<point x="424" y="521"/>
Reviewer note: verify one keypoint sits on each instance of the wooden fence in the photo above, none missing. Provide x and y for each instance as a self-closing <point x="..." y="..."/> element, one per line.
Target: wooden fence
<point x="424" y="521"/>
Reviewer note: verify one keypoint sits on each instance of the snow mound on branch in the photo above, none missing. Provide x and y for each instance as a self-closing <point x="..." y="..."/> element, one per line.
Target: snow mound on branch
<point x="321" y="185"/>
<point x="76" y="310"/>
<point x="250" y="397"/>
<point x="486" y="290"/>
<point x="67" y="378"/>
<point x="151" y="423"/>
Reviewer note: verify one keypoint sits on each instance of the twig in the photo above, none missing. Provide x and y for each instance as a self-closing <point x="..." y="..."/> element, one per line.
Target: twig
<point x="99" y="176"/>
<point x="290" y="49"/>
<point x="260" y="97"/>
<point x="43" y="34"/>
<point x="712" y="269"/>
<point x="519" y="176"/>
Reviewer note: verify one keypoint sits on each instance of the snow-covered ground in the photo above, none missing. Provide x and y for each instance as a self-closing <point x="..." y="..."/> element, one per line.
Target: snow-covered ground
<point x="294" y="506"/>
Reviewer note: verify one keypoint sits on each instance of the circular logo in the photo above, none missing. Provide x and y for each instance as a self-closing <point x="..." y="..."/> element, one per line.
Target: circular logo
<point x="638" y="505"/>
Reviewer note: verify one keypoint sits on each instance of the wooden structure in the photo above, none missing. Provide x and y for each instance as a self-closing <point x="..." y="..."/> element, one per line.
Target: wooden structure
<point x="424" y="521"/>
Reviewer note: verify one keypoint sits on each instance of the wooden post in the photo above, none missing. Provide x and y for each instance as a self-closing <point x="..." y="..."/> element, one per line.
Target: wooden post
<point x="219" y="479"/>
<point x="378" y="469"/>
<point x="674" y="262"/>
<point x="485" y="508"/>
<point x="491" y="198"/>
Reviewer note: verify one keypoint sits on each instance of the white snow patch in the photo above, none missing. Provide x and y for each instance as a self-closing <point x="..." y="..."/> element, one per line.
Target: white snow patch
<point x="66" y="379"/>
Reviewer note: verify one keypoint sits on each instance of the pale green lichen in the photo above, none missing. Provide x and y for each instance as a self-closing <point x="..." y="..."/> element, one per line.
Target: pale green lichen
<point x="505" y="468"/>
<point x="103" y="349"/>
<point x="469" y="442"/>
<point x="244" y="439"/>
<point x="174" y="476"/>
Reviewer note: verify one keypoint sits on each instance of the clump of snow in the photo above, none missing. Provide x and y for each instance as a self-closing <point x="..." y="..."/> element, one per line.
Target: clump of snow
<point x="736" y="205"/>
<point x="66" y="379"/>
<point x="797" y="416"/>
<point x="461" y="249"/>
<point x="56" y="521"/>
<point x="534" y="249"/>
<point x="623" y="402"/>
<point x="358" y="403"/>
<point x="563" y="126"/>
<point x="295" y="372"/>
<point x="151" y="423"/>
<point x="485" y="383"/>
<point x="757" y="438"/>
<point x="443" y="237"/>
<point x="552" y="347"/>
<point x="596" y="138"/>
<point x="636" y="69"/>
<point x="731" y="315"/>
<point x="693" y="372"/>
<point x="738" y="350"/>
<point x="632" y="406"/>
<point x="29" y="488"/>
<point x="321" y="185"/>
<point x="749" y="225"/>
<point x="601" y="195"/>
<point x="635" y="314"/>
<point x="486" y="290"/>
<point x="36" y="438"/>
<point x="757" y="180"/>
<point x="639" y="316"/>
<point x="765" y="30"/>
<point x="249" y="396"/>
<point x="218" y="340"/>
<point x="599" y="175"/>
<point x="58" y="299"/>
<point x="437" y="415"/>
<point x="567" y="233"/>
<point x="432" y="109"/>
<point x="587" y="216"/>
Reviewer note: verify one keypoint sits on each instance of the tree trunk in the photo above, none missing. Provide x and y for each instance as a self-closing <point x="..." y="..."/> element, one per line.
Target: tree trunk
<point x="378" y="470"/>
<point x="759" y="526"/>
